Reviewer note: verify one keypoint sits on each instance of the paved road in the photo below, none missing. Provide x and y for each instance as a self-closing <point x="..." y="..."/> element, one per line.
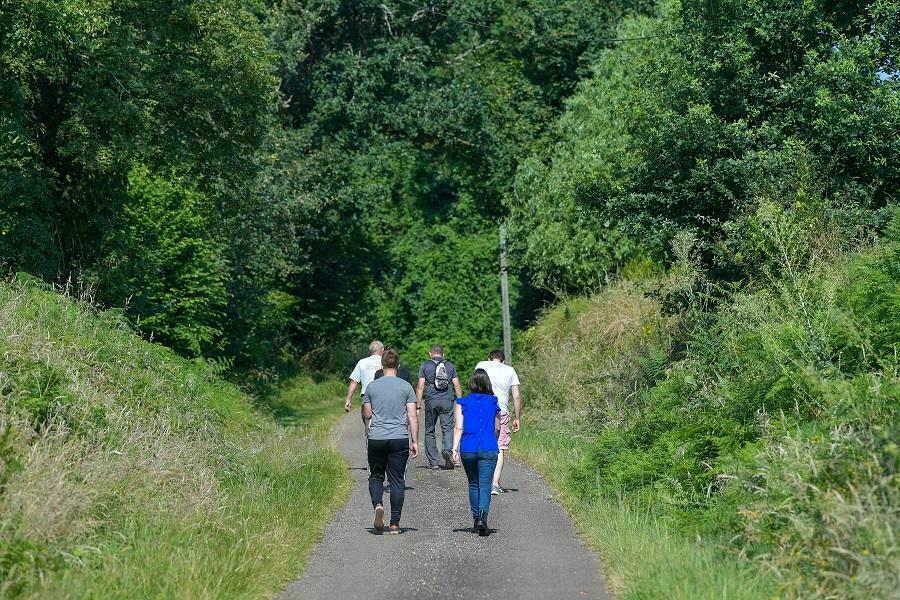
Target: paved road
<point x="533" y="552"/>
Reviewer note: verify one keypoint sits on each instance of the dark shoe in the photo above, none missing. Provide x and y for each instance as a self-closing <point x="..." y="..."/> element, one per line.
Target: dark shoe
<point x="433" y="468"/>
<point x="475" y="525"/>
<point x="379" y="518"/>
<point x="448" y="459"/>
<point x="394" y="529"/>
<point x="483" y="530"/>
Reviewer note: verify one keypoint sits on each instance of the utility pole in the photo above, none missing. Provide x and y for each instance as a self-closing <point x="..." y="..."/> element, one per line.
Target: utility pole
<point x="504" y="294"/>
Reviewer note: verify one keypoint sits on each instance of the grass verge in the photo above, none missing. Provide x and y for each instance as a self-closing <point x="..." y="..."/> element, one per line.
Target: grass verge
<point x="641" y="558"/>
<point x="127" y="471"/>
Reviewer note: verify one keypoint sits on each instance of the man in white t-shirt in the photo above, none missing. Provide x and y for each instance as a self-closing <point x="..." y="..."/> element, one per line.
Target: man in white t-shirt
<point x="505" y="383"/>
<point x="363" y="374"/>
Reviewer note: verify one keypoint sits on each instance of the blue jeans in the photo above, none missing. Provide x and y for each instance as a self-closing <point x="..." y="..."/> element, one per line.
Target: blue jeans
<point x="479" y="467"/>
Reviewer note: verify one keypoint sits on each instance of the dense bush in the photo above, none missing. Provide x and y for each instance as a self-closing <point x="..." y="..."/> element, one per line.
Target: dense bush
<point x="163" y="264"/>
<point x="769" y="425"/>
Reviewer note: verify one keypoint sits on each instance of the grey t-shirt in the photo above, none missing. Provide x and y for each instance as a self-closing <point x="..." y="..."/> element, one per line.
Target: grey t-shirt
<point x="389" y="397"/>
<point x="427" y="371"/>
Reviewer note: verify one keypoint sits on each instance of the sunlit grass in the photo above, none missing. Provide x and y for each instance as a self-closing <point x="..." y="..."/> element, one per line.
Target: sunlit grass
<point x="128" y="472"/>
<point x="641" y="559"/>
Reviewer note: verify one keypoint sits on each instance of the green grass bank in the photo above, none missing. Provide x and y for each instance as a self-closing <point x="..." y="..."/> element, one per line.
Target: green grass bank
<point x="735" y="442"/>
<point x="127" y="471"/>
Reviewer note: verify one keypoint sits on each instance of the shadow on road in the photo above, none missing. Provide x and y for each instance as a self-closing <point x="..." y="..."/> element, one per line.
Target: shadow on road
<point x="372" y="531"/>
<point x="469" y="530"/>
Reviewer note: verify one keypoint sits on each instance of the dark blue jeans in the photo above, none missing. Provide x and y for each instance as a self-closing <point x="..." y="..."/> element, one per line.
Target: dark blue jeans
<point x="479" y="467"/>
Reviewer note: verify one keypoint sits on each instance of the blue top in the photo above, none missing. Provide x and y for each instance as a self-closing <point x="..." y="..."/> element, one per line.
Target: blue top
<point x="479" y="412"/>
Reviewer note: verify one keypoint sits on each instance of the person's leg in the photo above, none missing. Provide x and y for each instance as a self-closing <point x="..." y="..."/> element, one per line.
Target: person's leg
<point x="498" y="470"/>
<point x="431" y="451"/>
<point x="470" y="466"/>
<point x="365" y="423"/>
<point x="445" y="414"/>
<point x="447" y="421"/>
<point x="487" y="463"/>
<point x="378" y="457"/>
<point x="503" y="440"/>
<point x="398" y="452"/>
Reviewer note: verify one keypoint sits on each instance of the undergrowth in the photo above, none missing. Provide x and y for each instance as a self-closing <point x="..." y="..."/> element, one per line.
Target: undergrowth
<point x="759" y="422"/>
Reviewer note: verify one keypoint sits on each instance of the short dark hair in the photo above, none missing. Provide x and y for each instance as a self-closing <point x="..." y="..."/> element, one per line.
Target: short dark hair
<point x="497" y="354"/>
<point x="480" y="383"/>
<point x="390" y="359"/>
<point x="437" y="349"/>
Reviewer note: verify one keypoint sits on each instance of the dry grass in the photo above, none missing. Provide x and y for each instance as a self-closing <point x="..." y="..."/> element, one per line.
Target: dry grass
<point x="600" y="349"/>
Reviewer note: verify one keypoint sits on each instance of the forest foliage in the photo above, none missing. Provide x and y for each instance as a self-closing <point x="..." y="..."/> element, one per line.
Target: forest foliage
<point x="253" y="179"/>
<point x="708" y="189"/>
<point x="723" y="105"/>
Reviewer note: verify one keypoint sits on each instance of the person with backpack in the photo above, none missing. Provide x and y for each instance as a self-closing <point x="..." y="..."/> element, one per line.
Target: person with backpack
<point x="436" y="376"/>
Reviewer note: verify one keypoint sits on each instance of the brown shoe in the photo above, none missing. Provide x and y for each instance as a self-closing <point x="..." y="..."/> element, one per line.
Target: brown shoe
<point x="379" y="518"/>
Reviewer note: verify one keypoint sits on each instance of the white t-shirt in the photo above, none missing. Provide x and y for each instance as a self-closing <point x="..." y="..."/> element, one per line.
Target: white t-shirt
<point x="364" y="371"/>
<point x="503" y="377"/>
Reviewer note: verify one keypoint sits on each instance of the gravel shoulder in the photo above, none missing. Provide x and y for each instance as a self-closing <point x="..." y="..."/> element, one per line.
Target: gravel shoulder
<point x="534" y="551"/>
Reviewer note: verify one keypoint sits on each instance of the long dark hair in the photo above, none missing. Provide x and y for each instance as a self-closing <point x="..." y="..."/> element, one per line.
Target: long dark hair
<point x="480" y="383"/>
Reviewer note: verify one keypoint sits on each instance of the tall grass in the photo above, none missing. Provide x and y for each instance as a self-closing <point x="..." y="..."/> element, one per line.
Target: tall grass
<point x="760" y="427"/>
<point x="643" y="558"/>
<point x="126" y="471"/>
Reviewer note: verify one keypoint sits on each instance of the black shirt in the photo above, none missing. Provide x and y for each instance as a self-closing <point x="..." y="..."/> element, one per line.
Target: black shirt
<point x="402" y="372"/>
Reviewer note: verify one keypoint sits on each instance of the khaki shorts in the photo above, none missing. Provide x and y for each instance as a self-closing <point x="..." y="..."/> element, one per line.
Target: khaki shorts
<point x="503" y="438"/>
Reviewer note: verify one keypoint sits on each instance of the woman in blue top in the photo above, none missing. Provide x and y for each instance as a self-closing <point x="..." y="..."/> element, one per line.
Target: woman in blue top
<point x="474" y="441"/>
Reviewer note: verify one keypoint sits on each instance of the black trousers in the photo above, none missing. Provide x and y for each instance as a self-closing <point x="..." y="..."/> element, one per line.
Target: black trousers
<point x="388" y="456"/>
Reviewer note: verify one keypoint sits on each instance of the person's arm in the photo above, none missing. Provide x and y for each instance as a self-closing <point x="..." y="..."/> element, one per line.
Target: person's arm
<point x="457" y="430"/>
<point x="367" y="411"/>
<point x="413" y="415"/>
<point x="350" y="391"/>
<point x="457" y="387"/>
<point x="420" y="389"/>
<point x="517" y="406"/>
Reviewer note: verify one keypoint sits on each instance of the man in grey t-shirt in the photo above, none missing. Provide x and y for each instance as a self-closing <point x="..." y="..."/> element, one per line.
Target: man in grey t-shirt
<point x="436" y="376"/>
<point x="389" y="403"/>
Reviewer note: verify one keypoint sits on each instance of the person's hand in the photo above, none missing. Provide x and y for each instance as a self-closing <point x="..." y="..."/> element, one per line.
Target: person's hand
<point x="515" y="425"/>
<point x="456" y="459"/>
<point x="347" y="405"/>
<point x="413" y="449"/>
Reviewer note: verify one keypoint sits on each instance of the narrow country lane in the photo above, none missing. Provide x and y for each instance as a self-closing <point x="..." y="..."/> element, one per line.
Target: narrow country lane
<point x="533" y="553"/>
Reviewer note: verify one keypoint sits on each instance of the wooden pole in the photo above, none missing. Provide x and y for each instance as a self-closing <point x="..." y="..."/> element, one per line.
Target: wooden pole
<point x="504" y="294"/>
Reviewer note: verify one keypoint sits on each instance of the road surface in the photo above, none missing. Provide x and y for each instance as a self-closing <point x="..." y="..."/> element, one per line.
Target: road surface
<point x="533" y="552"/>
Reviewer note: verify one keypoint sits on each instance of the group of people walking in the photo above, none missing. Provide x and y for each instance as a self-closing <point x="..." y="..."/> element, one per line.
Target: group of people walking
<point x="475" y="429"/>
